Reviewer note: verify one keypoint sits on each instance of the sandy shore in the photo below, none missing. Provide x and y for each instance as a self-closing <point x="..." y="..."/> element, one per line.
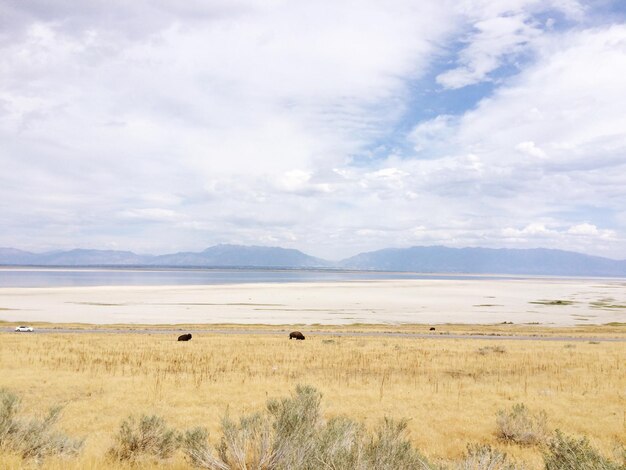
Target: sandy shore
<point x="555" y="302"/>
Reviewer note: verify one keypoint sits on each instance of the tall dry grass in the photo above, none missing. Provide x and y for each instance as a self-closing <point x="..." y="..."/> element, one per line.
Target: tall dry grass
<point x="449" y="390"/>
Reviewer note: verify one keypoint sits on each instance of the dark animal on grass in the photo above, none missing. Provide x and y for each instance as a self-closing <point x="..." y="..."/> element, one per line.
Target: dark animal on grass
<point x="186" y="337"/>
<point x="432" y="328"/>
<point x="296" y="335"/>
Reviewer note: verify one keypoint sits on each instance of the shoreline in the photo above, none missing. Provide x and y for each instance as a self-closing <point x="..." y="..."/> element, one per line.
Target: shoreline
<point x="617" y="336"/>
<point x="550" y="302"/>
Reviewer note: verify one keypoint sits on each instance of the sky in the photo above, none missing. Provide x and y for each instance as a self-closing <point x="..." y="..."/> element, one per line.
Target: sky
<point x="334" y="127"/>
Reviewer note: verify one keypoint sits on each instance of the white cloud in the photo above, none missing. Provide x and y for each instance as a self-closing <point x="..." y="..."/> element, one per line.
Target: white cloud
<point x="552" y="102"/>
<point x="583" y="229"/>
<point x="250" y="121"/>
<point x="492" y="41"/>
<point x="533" y="230"/>
<point x="298" y="181"/>
<point x="150" y="214"/>
<point x="529" y="148"/>
<point x="590" y="230"/>
<point x="500" y="32"/>
<point x="429" y="135"/>
<point x="560" y="112"/>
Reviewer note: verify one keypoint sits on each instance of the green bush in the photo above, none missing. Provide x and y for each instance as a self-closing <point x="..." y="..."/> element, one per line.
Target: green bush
<point x="295" y="422"/>
<point x="248" y="444"/>
<point x="389" y="449"/>
<point x="485" y="457"/>
<point x="340" y="444"/>
<point x="570" y="453"/>
<point x="491" y="349"/>
<point x="291" y="434"/>
<point x="32" y="438"/>
<point x="147" y="437"/>
<point x="620" y="452"/>
<point x="522" y="427"/>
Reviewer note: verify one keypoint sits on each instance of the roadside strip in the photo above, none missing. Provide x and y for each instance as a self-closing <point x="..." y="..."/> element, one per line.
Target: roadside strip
<point x="313" y="333"/>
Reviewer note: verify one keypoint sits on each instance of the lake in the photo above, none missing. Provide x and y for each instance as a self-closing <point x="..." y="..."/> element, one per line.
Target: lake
<point x="78" y="277"/>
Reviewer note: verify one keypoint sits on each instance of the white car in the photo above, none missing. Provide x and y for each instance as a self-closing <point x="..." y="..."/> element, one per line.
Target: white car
<point x="24" y="328"/>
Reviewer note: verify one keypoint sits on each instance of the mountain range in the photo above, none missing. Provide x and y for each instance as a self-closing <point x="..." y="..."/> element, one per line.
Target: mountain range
<point x="422" y="259"/>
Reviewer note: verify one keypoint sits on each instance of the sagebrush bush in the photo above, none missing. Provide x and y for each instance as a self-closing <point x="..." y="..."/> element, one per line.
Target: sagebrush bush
<point x="296" y="420"/>
<point x="291" y="434"/>
<point x="390" y="449"/>
<point x="340" y="444"/>
<point x="485" y="457"/>
<point x="570" y="453"/>
<point x="196" y="446"/>
<point x="32" y="437"/>
<point x="620" y="452"/>
<point x="248" y="444"/>
<point x="148" y="437"/>
<point x="491" y="349"/>
<point x="522" y="427"/>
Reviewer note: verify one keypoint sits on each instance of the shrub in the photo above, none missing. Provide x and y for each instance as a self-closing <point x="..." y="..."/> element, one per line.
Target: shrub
<point x="522" y="427"/>
<point x="32" y="438"/>
<point x="147" y="437"/>
<point x="295" y="422"/>
<point x="620" y="453"/>
<point x="485" y="457"/>
<point x="291" y="434"/>
<point x="569" y="453"/>
<point x="340" y="444"/>
<point x="390" y="449"/>
<point x="281" y="437"/>
<point x="491" y="349"/>
<point x="196" y="446"/>
<point x="248" y="444"/>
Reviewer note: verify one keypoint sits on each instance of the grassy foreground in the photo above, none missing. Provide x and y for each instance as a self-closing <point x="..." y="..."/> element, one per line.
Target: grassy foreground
<point x="450" y="390"/>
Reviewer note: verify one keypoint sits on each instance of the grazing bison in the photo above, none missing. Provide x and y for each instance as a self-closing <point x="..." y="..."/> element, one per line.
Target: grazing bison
<point x="186" y="337"/>
<point x="296" y="335"/>
<point x="432" y="328"/>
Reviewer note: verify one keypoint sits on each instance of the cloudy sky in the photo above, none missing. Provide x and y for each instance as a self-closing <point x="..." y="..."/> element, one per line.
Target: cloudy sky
<point x="330" y="126"/>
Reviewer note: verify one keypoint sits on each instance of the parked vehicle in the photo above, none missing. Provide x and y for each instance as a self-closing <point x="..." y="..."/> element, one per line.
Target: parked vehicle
<point x="25" y="329"/>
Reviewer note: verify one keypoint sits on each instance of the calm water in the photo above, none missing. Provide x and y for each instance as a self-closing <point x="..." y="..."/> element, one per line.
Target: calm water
<point x="62" y="277"/>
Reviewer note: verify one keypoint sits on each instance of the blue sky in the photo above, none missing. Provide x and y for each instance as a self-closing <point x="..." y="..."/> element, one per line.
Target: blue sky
<point x="331" y="127"/>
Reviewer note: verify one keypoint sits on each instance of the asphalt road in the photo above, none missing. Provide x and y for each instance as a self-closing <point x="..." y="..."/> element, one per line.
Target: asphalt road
<point x="440" y="335"/>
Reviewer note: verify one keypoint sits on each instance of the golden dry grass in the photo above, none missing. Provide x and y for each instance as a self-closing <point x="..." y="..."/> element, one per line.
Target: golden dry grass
<point x="448" y="389"/>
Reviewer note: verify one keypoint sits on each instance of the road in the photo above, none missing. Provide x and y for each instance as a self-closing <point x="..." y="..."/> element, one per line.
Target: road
<point x="390" y="334"/>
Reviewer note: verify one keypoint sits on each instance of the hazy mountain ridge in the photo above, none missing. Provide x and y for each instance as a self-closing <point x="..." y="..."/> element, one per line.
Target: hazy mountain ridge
<point x="442" y="259"/>
<point x="215" y="256"/>
<point x="82" y="257"/>
<point x="423" y="259"/>
<point x="242" y="256"/>
<point x="12" y="256"/>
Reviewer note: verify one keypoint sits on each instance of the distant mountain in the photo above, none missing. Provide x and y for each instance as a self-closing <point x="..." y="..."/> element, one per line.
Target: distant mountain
<point x="216" y="256"/>
<point x="423" y="259"/>
<point x="81" y="257"/>
<point x="440" y="259"/>
<point x="16" y="257"/>
<point x="242" y="256"/>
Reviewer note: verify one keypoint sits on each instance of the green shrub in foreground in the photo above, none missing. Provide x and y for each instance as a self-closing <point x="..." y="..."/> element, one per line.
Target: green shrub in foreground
<point x="522" y="427"/>
<point x="390" y="449"/>
<point x="291" y="434"/>
<point x="485" y="457"/>
<point x="32" y="437"/>
<point x="147" y="437"/>
<point x="570" y="453"/>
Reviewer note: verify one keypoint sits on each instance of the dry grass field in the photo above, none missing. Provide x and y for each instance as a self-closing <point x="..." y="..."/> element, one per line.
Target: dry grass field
<point x="449" y="389"/>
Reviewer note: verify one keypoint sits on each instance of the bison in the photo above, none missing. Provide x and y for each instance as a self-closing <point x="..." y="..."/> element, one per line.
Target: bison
<point x="185" y="337"/>
<point x="296" y="335"/>
<point x="432" y="328"/>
